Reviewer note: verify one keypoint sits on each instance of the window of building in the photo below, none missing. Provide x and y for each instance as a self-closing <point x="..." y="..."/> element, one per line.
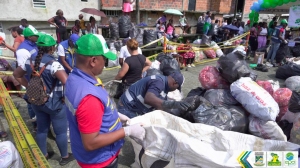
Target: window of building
<point x="84" y="0"/>
<point x="112" y="13"/>
<point x="39" y="3"/>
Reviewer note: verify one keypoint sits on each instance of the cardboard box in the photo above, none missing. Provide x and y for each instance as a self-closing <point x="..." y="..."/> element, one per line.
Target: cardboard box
<point x="259" y="58"/>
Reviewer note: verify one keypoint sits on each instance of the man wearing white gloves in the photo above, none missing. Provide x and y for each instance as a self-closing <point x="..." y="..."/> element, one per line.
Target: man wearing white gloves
<point x="96" y="131"/>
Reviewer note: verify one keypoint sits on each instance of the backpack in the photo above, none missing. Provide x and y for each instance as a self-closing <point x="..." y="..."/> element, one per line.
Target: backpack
<point x="36" y="90"/>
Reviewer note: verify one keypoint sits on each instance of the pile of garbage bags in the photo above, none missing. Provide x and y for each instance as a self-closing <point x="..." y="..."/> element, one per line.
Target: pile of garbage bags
<point x="231" y="99"/>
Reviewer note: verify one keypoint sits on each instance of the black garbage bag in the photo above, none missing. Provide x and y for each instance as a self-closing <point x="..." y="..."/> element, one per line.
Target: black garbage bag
<point x="133" y="31"/>
<point x="124" y="26"/>
<point x="231" y="118"/>
<point x="288" y="70"/>
<point x="206" y="40"/>
<point x="200" y="28"/>
<point x="199" y="91"/>
<point x="295" y="51"/>
<point x="167" y="64"/>
<point x="151" y="72"/>
<point x="282" y="52"/>
<point x="195" y="101"/>
<point x="233" y="66"/>
<point x="140" y="37"/>
<point x="114" y="31"/>
<point x="150" y="36"/>
<point x="294" y="103"/>
<point x="220" y="97"/>
<point x="286" y="128"/>
<point x="118" y="44"/>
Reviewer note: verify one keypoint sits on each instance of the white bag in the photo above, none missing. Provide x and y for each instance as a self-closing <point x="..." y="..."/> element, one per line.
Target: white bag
<point x="254" y="99"/>
<point x="175" y="95"/>
<point x="9" y="156"/>
<point x="218" y="50"/>
<point x="171" y="141"/>
<point x="265" y="129"/>
<point x="155" y="65"/>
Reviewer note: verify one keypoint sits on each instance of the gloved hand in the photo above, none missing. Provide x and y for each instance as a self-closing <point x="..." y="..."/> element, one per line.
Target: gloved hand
<point x="176" y="105"/>
<point x="285" y="42"/>
<point x="124" y="119"/>
<point x="136" y="132"/>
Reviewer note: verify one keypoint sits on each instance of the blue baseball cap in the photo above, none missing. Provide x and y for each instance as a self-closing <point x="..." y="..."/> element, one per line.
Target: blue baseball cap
<point x="74" y="38"/>
<point x="178" y="77"/>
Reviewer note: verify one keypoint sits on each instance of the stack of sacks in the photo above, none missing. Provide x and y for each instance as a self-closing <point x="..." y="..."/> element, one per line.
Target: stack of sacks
<point x="262" y="107"/>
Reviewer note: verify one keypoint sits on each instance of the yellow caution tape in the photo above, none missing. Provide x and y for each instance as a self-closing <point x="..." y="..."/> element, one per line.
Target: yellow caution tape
<point x="25" y="143"/>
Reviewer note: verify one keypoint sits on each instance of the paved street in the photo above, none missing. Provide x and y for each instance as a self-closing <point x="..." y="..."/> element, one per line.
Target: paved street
<point x="126" y="157"/>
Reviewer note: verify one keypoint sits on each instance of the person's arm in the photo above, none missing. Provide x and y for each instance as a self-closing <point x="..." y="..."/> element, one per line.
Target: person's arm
<point x="280" y="35"/>
<point x="259" y="30"/>
<point x="51" y="21"/>
<point x="121" y="56"/>
<point x="13" y="48"/>
<point x="66" y="22"/>
<point x="89" y="123"/>
<point x="59" y="72"/>
<point x="19" y="74"/>
<point x="152" y="100"/>
<point x="147" y="65"/>
<point x="62" y="56"/>
<point x="122" y="71"/>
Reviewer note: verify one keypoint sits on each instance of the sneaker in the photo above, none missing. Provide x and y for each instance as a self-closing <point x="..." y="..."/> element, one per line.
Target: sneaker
<point x="32" y="119"/>
<point x="64" y="161"/>
<point x="193" y="65"/>
<point x="49" y="155"/>
<point x="3" y="134"/>
<point x="275" y="64"/>
<point x="269" y="64"/>
<point x="189" y="65"/>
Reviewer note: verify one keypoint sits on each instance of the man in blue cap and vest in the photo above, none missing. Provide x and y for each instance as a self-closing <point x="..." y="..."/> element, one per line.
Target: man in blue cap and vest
<point x="96" y="131"/>
<point x="27" y="49"/>
<point x="65" y="51"/>
<point x="150" y="93"/>
<point x="277" y="38"/>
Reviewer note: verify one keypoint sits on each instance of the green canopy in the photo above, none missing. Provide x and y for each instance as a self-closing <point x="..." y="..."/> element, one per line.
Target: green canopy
<point x="173" y="12"/>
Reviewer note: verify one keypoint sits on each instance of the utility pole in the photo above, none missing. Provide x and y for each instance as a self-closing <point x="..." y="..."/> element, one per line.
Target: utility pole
<point x="137" y="11"/>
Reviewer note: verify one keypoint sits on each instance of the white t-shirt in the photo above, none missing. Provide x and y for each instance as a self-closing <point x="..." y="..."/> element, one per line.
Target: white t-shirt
<point x="60" y="50"/>
<point x="125" y="54"/>
<point x="22" y="56"/>
<point x="54" y="67"/>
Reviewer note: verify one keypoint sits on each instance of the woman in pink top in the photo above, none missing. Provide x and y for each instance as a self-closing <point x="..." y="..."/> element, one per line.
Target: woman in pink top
<point x="170" y="29"/>
<point x="127" y="6"/>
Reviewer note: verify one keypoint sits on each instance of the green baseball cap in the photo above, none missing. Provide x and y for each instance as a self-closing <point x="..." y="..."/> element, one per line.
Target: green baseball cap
<point x="30" y="31"/>
<point x="284" y="21"/>
<point x="45" y="40"/>
<point x="94" y="45"/>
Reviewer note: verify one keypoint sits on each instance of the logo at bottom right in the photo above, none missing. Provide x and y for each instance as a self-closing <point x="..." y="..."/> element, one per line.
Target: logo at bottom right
<point x="290" y="159"/>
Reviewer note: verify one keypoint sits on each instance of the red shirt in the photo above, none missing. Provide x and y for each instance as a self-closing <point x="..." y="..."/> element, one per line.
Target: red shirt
<point x="89" y="121"/>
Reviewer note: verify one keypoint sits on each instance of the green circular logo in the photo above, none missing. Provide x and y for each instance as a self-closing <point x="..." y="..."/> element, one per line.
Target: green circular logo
<point x="289" y="156"/>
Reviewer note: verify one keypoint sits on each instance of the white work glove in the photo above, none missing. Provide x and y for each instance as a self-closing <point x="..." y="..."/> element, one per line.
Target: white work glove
<point x="124" y="119"/>
<point x="136" y="132"/>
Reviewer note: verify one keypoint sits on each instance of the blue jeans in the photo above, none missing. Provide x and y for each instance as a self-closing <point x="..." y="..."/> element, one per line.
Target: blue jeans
<point x="60" y="125"/>
<point x="31" y="114"/>
<point x="125" y="111"/>
<point x="273" y="51"/>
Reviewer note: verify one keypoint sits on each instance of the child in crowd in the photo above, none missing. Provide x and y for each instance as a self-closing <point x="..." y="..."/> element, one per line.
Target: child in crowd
<point x="82" y="24"/>
<point x="127" y="6"/>
<point x="188" y="54"/>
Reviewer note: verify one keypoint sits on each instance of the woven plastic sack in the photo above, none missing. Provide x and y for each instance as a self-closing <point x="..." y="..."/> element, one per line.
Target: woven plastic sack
<point x="293" y="83"/>
<point x="220" y="97"/>
<point x="265" y="129"/>
<point x="9" y="156"/>
<point x="254" y="99"/>
<point x="282" y="96"/>
<point x="231" y="118"/>
<point x="266" y="85"/>
<point x="210" y="78"/>
<point x="199" y="55"/>
<point x="217" y="49"/>
<point x="171" y="141"/>
<point x="294" y="103"/>
<point x="210" y="53"/>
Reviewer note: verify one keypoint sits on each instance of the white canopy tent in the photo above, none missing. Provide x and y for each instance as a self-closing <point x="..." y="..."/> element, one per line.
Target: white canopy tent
<point x="284" y="9"/>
